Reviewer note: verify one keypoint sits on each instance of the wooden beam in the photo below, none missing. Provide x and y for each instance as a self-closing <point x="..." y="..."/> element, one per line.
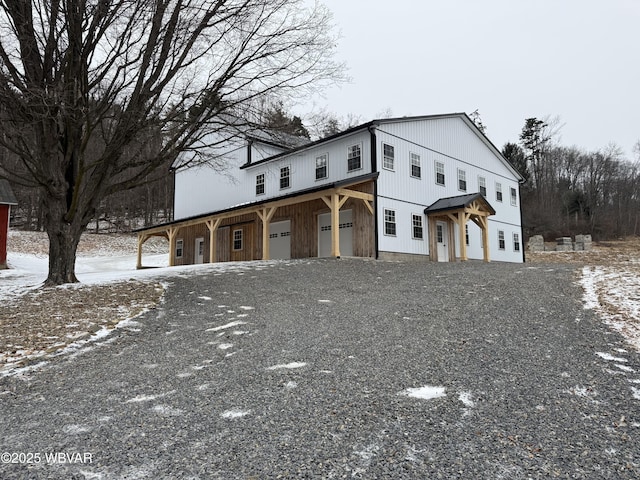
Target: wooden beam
<point x="369" y="206"/>
<point x="266" y="215"/>
<point x="335" y="226"/>
<point x="172" y="232"/>
<point x="141" y="239"/>
<point x="355" y="194"/>
<point x="462" y="222"/>
<point x="212" y="225"/>
<point x="433" y="245"/>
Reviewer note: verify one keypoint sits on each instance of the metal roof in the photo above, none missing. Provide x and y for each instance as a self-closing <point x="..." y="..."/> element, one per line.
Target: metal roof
<point x="6" y="194"/>
<point x="457" y="202"/>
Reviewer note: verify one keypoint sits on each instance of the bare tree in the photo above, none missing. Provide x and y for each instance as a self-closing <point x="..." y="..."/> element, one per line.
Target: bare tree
<point x="86" y="85"/>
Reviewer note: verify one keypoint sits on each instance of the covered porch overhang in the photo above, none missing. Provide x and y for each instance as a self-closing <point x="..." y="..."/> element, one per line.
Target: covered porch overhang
<point x="334" y="196"/>
<point x="457" y="211"/>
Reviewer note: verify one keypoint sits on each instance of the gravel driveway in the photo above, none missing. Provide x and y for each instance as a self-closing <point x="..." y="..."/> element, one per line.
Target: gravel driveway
<point x="339" y="369"/>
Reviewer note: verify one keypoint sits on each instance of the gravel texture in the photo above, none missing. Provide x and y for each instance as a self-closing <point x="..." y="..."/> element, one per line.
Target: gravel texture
<point x="301" y="370"/>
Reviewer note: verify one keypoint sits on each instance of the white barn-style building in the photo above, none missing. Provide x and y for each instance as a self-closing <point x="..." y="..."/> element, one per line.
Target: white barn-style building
<point x="429" y="187"/>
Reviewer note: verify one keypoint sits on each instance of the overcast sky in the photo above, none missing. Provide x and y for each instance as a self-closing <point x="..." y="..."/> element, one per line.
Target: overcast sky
<point x="510" y="59"/>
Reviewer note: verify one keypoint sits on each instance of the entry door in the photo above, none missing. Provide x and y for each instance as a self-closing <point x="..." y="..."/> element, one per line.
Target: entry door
<point x="199" y="251"/>
<point x="346" y="234"/>
<point x="280" y="240"/>
<point x="441" y="241"/>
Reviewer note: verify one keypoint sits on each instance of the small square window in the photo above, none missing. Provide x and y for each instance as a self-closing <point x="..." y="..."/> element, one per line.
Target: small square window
<point x="462" y="180"/>
<point x="321" y="167"/>
<point x="439" y="173"/>
<point x="388" y="156"/>
<point x="389" y="222"/>
<point x="179" y="248"/>
<point x="260" y="184"/>
<point x="354" y="158"/>
<point x="516" y="242"/>
<point x="498" y="192"/>
<point x="416" y="221"/>
<point x="482" y="186"/>
<point x="416" y="171"/>
<point x="500" y="240"/>
<point x="514" y="196"/>
<point x="237" y="240"/>
<point x="285" y="177"/>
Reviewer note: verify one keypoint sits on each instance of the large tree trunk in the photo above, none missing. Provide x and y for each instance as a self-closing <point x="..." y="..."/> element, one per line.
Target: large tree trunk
<point x="63" y="244"/>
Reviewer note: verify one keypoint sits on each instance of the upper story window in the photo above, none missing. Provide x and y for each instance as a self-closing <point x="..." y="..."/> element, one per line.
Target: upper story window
<point x="482" y="186"/>
<point x="417" y="231"/>
<point x="514" y="197"/>
<point x="354" y="158"/>
<point x="389" y="222"/>
<point x="498" y="192"/>
<point x="285" y="177"/>
<point x="321" y="167"/>
<point x="416" y="171"/>
<point x="439" y="173"/>
<point x="462" y="180"/>
<point x="388" y="156"/>
<point x="260" y="184"/>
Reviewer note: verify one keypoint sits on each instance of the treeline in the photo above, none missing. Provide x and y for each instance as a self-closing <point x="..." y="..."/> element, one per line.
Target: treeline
<point x="569" y="191"/>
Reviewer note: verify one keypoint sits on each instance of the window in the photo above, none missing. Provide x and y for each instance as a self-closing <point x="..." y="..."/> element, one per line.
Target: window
<point x="439" y="233"/>
<point x="354" y="158"/>
<point x="389" y="222"/>
<point x="462" y="180"/>
<point x="179" y="248"/>
<point x="321" y="167"/>
<point x="415" y="166"/>
<point x="500" y="240"/>
<point x="237" y="240"/>
<point x="439" y="173"/>
<point x="260" y="184"/>
<point x="498" y="192"/>
<point x="466" y="234"/>
<point x="416" y="221"/>
<point x="514" y="197"/>
<point x="482" y="186"/>
<point x="516" y="242"/>
<point x="388" y="156"/>
<point x="285" y="177"/>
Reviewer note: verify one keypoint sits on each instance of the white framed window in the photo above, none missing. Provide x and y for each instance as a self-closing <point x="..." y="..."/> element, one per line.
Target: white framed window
<point x="260" y="184"/>
<point x="237" y="240"/>
<point x="285" y="177"/>
<point x="500" y="239"/>
<point x="416" y="169"/>
<point x="322" y="168"/>
<point x="466" y="235"/>
<point x="416" y="223"/>
<point x="482" y="186"/>
<point x="498" y="192"/>
<point x="179" y="248"/>
<point x="388" y="156"/>
<point x="514" y="196"/>
<point x="440" y="173"/>
<point x="389" y="222"/>
<point x="462" y="180"/>
<point x="516" y="242"/>
<point x="354" y="158"/>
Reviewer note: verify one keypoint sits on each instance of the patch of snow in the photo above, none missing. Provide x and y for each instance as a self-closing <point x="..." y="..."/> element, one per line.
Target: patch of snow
<point x="289" y="366"/>
<point x="167" y="411"/>
<point x="228" y="325"/>
<point x="205" y="298"/>
<point x="427" y="392"/>
<point x="235" y="413"/>
<point x="465" y="398"/>
<point x="291" y="385"/>
<point x="76" y="429"/>
<point x="243" y="307"/>
<point x="636" y="393"/>
<point x="611" y="358"/>
<point x="225" y="346"/>
<point x="626" y="368"/>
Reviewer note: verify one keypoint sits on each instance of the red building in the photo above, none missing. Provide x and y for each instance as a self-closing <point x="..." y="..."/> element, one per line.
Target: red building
<point x="7" y="199"/>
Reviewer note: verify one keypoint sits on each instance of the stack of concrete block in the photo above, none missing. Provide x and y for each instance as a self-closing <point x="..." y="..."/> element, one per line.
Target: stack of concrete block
<point x="564" y="244"/>
<point x="536" y="243"/>
<point x="583" y="242"/>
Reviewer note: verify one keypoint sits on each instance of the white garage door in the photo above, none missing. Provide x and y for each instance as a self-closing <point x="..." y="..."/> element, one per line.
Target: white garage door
<point x="346" y="234"/>
<point x="280" y="240"/>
